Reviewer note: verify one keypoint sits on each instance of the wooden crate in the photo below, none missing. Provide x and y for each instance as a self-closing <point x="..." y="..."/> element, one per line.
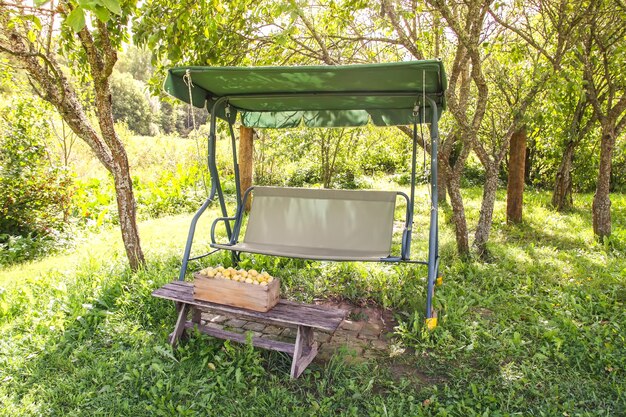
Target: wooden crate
<point x="238" y="294"/>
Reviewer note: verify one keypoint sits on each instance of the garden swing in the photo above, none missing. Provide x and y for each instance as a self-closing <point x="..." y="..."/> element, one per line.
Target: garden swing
<point x="316" y="224"/>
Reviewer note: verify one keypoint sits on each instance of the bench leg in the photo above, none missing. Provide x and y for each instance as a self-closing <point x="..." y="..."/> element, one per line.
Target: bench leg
<point x="304" y="352"/>
<point x="180" y="323"/>
<point x="196" y="315"/>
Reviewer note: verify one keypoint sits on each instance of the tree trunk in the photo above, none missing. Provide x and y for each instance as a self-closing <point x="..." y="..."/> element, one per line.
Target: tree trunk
<point x="246" y="148"/>
<point x="601" y="201"/>
<point x="486" y="210"/>
<point x="442" y="177"/>
<point x="458" y="215"/>
<point x="530" y="157"/>
<point x="515" y="186"/>
<point x="562" y="195"/>
<point x="120" y="169"/>
<point x="456" y="201"/>
<point x="127" y="211"/>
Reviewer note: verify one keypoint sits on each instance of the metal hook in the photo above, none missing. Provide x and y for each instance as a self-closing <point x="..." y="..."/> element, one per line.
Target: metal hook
<point x="187" y="79"/>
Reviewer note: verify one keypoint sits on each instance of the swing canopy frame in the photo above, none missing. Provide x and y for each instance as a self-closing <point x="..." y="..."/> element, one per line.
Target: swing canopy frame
<point x="389" y="94"/>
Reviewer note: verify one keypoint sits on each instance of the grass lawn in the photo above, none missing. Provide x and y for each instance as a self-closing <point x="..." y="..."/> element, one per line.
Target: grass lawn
<point x="540" y="331"/>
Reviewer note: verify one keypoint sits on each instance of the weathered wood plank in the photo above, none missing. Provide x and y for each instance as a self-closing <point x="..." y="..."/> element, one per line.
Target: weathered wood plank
<point x="182" y="290"/>
<point x="304" y="361"/>
<point x="304" y="351"/>
<point x="241" y="338"/>
<point x="180" y="324"/>
<point x="287" y="314"/>
<point x="196" y="315"/>
<point x="317" y="307"/>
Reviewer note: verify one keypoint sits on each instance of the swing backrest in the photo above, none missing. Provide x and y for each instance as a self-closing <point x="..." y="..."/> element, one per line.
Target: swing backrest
<point x="320" y="223"/>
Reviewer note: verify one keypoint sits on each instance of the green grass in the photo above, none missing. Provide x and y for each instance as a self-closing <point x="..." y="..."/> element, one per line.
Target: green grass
<point x="539" y="331"/>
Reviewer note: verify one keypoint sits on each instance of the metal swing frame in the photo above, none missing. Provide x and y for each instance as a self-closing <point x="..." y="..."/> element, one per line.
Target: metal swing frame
<point x="222" y="104"/>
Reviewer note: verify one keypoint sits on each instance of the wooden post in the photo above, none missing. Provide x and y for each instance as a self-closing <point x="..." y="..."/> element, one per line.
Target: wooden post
<point x="515" y="188"/>
<point x="304" y="351"/>
<point x="246" y="147"/>
<point x="183" y="309"/>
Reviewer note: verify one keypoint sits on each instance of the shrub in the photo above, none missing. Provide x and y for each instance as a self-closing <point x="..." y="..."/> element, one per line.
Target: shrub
<point x="303" y="174"/>
<point x="349" y="180"/>
<point x="130" y="104"/>
<point x="33" y="194"/>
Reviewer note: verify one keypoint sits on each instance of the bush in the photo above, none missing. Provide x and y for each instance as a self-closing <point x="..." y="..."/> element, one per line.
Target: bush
<point x="172" y="192"/>
<point x="130" y="105"/>
<point x="303" y="174"/>
<point x="34" y="195"/>
<point x="15" y="249"/>
<point x="348" y="180"/>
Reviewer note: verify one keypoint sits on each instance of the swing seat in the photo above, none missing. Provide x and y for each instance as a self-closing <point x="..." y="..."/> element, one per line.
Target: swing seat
<point x="318" y="224"/>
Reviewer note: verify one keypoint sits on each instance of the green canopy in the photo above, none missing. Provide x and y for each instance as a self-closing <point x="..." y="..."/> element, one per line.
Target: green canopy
<point x="318" y="96"/>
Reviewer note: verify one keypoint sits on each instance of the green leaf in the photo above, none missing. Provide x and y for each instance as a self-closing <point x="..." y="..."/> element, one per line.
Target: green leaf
<point x="36" y="22"/>
<point x="113" y="5"/>
<point x="76" y="19"/>
<point x="101" y="217"/>
<point x="102" y="14"/>
<point x="39" y="3"/>
<point x="31" y="36"/>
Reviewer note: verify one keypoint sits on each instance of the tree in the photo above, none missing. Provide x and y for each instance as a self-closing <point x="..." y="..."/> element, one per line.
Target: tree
<point x="130" y="104"/>
<point x="602" y="55"/>
<point x="505" y="67"/>
<point x="246" y="152"/>
<point x="137" y="62"/>
<point x="578" y="126"/>
<point x="515" y="186"/>
<point x="333" y="143"/>
<point x="90" y="34"/>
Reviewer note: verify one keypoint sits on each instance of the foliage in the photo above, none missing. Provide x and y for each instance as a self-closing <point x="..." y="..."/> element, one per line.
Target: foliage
<point x="339" y="158"/>
<point x="130" y="104"/>
<point x="539" y="333"/>
<point x="172" y="118"/>
<point x="33" y="193"/>
<point x="136" y="62"/>
<point x="172" y="192"/>
<point x="87" y="34"/>
<point x="168" y="179"/>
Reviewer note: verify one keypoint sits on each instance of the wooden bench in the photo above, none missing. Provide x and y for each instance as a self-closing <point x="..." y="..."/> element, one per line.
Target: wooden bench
<point x="304" y="317"/>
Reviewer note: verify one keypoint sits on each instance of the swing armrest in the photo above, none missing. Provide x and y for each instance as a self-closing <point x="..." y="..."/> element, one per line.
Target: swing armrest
<point x="238" y="218"/>
<point x="224" y="219"/>
<point x="405" y="250"/>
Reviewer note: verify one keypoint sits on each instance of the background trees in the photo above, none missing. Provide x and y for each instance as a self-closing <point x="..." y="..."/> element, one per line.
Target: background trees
<point x="504" y="63"/>
<point x="603" y="48"/>
<point x="549" y="67"/>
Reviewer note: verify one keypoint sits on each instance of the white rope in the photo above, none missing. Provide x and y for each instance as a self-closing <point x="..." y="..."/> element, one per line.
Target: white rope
<point x="191" y="115"/>
<point x="189" y="82"/>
